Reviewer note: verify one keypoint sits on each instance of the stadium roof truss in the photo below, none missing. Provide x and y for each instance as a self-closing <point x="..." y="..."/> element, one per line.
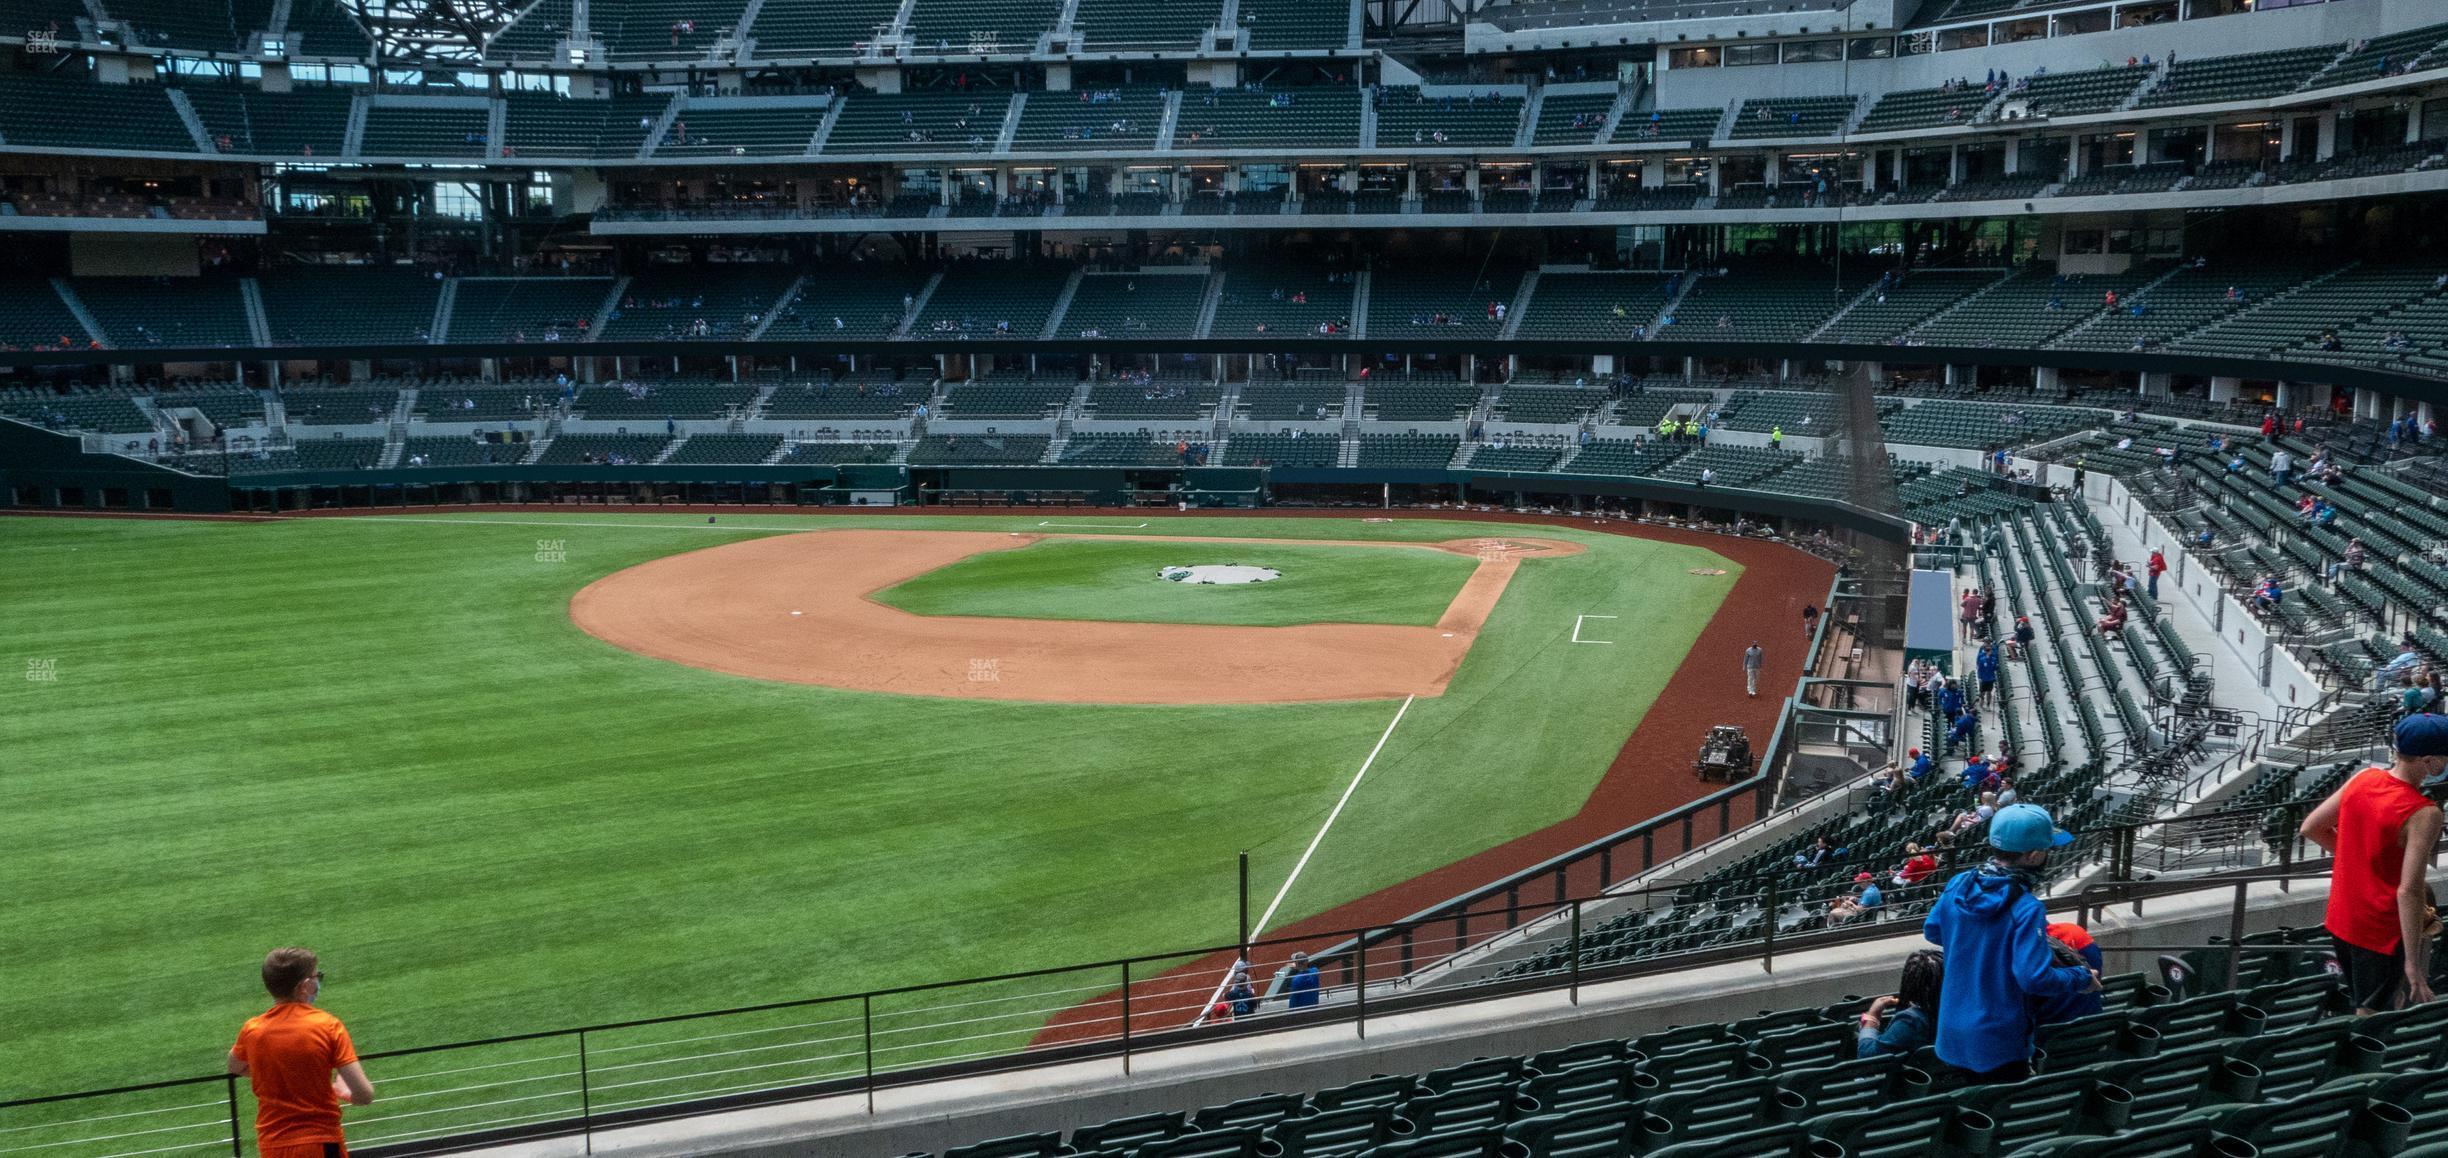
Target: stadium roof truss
<point x="433" y="30"/>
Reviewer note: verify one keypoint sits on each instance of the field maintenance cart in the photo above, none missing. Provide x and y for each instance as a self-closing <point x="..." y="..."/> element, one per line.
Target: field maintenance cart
<point x="1725" y="755"/>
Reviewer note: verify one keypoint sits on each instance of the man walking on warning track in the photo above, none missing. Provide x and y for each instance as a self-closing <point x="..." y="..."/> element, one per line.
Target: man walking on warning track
<point x="1751" y="668"/>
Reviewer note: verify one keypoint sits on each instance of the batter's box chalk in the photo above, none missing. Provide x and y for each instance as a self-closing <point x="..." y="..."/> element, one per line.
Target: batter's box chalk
<point x="1708" y="570"/>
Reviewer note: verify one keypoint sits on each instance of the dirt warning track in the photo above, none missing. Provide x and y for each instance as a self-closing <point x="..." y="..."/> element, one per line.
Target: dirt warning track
<point x="795" y="608"/>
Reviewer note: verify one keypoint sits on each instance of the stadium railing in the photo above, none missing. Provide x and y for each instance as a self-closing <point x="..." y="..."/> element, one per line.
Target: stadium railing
<point x="574" y="1082"/>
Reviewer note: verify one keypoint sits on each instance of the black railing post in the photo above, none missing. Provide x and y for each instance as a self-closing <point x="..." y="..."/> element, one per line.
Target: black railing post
<point x="1126" y="1018"/>
<point x="2235" y="936"/>
<point x="1360" y="985"/>
<point x="1606" y="865"/>
<point x="1768" y="928"/>
<point x="237" y="1141"/>
<point x="1576" y="953"/>
<point x="586" y="1096"/>
<point x="867" y="1032"/>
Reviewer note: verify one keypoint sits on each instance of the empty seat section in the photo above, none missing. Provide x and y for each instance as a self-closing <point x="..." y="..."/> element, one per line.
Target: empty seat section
<point x="326" y="28"/>
<point x="1274" y="25"/>
<point x="2186" y="300"/>
<point x="656" y="401"/>
<point x="1125" y="118"/>
<point x="1432" y="303"/>
<point x="455" y="402"/>
<point x="1519" y="458"/>
<point x="726" y="448"/>
<point x="338" y="453"/>
<point x="999" y="396"/>
<point x="368" y="306"/>
<point x="317" y="407"/>
<point x="1299" y="117"/>
<point x="1280" y="298"/>
<point x="2243" y="77"/>
<point x="663" y="29"/>
<point x="1144" y="25"/>
<point x="164" y="311"/>
<point x="108" y="413"/>
<point x="1570" y="118"/>
<point x="603" y="449"/>
<point x="765" y="129"/>
<point x="75" y="114"/>
<point x="1793" y="116"/>
<point x="2076" y="93"/>
<point x="305" y="121"/>
<point x="839" y="453"/>
<point x="819" y="27"/>
<point x="1122" y="305"/>
<point x="1407" y="451"/>
<point x="1623" y="456"/>
<point x="1396" y="400"/>
<point x="1548" y="404"/>
<point x="858" y="303"/>
<point x="702" y="303"/>
<point x="1263" y="449"/>
<point x="1118" y="449"/>
<point x="535" y="34"/>
<point x="1889" y="313"/>
<point x="32" y="317"/>
<point x="1013" y="26"/>
<point x="407" y="127"/>
<point x="1762" y="302"/>
<point x="1923" y="108"/>
<point x="2031" y="307"/>
<point x="984" y="301"/>
<point x="1684" y="124"/>
<point x="444" y="450"/>
<point x="1276" y="401"/>
<point x="912" y="122"/>
<point x="220" y="27"/>
<point x="1581" y="305"/>
<point x="861" y="397"/>
<point x="2392" y="55"/>
<point x="983" y="449"/>
<point x="544" y="125"/>
<point x="1415" y="116"/>
<point x="534" y="309"/>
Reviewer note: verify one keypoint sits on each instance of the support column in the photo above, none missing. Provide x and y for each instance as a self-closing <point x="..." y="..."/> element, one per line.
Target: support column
<point x="1691" y="369"/>
<point x="2327" y="147"/>
<point x="2225" y="389"/>
<point x="2157" y="384"/>
<point x="2286" y="395"/>
<point x="1877" y="372"/>
<point x="2286" y="137"/>
<point x="2045" y="380"/>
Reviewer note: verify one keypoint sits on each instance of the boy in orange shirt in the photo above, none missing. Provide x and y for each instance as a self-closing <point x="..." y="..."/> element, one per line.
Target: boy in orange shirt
<point x="299" y="1062"/>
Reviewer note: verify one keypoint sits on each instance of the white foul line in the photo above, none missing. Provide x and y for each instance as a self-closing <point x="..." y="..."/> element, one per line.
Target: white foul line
<point x="1302" y="863"/>
<point x="1320" y="838"/>
<point x="1098" y="526"/>
<point x="1576" y="634"/>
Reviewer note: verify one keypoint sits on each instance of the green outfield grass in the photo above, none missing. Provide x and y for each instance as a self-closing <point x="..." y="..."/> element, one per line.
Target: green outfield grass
<point x="1106" y="579"/>
<point x="383" y="738"/>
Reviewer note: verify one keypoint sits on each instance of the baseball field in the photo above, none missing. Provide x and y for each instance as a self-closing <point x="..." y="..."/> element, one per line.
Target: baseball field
<point x="513" y="772"/>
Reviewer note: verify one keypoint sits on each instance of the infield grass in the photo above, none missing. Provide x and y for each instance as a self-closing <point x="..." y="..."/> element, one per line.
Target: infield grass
<point x="383" y="738"/>
<point x="1121" y="580"/>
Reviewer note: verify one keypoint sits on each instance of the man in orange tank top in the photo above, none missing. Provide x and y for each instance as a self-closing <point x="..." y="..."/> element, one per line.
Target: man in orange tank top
<point x="300" y="1063"/>
<point x="2381" y="829"/>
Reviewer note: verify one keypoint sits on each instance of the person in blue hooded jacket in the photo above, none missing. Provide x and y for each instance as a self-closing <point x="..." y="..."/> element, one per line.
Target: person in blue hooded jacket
<point x="1994" y="929"/>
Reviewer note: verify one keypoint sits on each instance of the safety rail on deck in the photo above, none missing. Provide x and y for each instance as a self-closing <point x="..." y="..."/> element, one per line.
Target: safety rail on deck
<point x="577" y="1081"/>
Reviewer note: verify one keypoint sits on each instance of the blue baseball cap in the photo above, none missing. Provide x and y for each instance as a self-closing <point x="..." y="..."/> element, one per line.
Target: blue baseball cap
<point x="2021" y="828"/>
<point x="2422" y="735"/>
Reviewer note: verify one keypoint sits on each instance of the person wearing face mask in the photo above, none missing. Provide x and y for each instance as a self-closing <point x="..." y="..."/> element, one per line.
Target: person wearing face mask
<point x="300" y="1063"/>
<point x="1994" y="929"/>
<point x="2381" y="827"/>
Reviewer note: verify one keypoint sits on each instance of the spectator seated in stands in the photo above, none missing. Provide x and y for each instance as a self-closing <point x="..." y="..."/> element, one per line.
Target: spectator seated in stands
<point x="1863" y="897"/>
<point x="2267" y="595"/>
<point x="1818" y="854"/>
<point x="2114" y="621"/>
<point x="1993" y="927"/>
<point x="1917" y="867"/>
<point x="1904" y="1021"/>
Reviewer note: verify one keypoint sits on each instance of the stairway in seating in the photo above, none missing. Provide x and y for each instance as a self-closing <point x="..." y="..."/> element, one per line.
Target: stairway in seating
<point x="1521" y="304"/>
<point x="918" y="304"/>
